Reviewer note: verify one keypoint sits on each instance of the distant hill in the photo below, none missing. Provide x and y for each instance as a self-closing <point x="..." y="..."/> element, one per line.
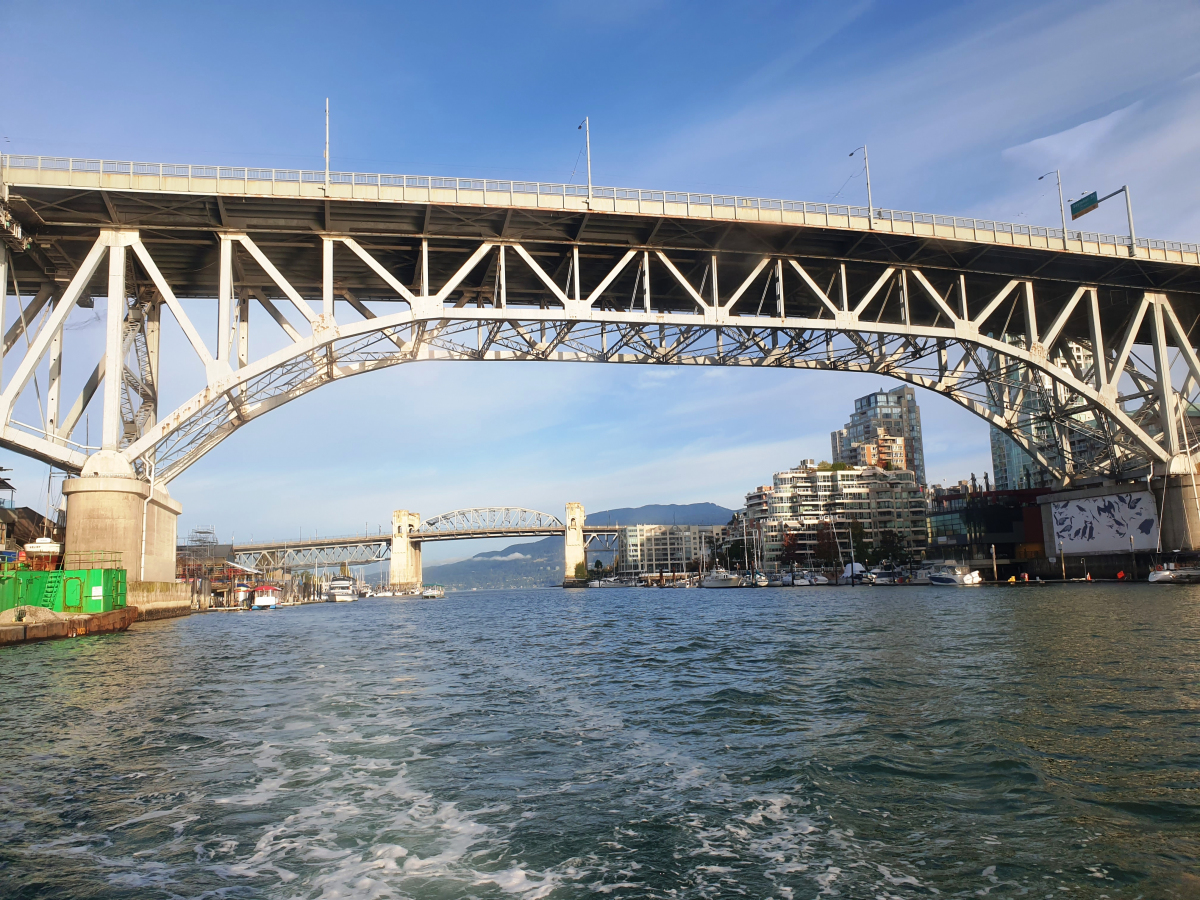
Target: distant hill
<point x="664" y="514"/>
<point x="540" y="563"/>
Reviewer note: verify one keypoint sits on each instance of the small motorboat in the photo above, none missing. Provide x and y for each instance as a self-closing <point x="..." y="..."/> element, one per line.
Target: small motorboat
<point x="955" y="575"/>
<point x="266" y="596"/>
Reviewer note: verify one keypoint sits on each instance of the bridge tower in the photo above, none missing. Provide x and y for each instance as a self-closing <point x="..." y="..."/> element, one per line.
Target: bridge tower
<point x="573" y="545"/>
<point x="406" y="553"/>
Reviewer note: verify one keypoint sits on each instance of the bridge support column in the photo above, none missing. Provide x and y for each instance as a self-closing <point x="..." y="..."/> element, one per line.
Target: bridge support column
<point x="573" y="547"/>
<point x="405" y="569"/>
<point x="1179" y="506"/>
<point x="105" y="513"/>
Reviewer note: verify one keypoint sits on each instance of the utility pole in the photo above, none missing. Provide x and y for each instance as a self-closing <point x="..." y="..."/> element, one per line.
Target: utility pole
<point x="587" y="136"/>
<point x="867" y="169"/>
<point x="1063" y="559"/>
<point x="1129" y="212"/>
<point x="995" y="576"/>
<point x="1062" y="209"/>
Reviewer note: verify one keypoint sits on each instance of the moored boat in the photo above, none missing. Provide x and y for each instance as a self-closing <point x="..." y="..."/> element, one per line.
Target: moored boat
<point x="955" y="575"/>
<point x="1173" y="573"/>
<point x="721" y="578"/>
<point x="266" y="596"/>
<point x="433" y="592"/>
<point x="341" y="590"/>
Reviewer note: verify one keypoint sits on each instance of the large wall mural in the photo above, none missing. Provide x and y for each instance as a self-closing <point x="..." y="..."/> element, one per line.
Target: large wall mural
<point x="1105" y="524"/>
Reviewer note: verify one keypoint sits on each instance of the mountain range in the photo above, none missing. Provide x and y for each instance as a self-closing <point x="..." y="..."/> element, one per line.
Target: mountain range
<point x="540" y="563"/>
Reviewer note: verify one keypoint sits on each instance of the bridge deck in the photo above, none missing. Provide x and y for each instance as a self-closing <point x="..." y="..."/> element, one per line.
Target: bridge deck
<point x="357" y="540"/>
<point x="63" y="203"/>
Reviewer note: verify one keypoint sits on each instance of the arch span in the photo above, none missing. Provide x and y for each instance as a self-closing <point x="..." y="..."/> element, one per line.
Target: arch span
<point x="1088" y="377"/>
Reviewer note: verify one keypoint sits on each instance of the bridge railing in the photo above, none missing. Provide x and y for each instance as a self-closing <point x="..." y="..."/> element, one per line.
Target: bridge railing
<point x="485" y="186"/>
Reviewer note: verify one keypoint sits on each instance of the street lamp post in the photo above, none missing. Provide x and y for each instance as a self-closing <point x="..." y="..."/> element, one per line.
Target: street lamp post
<point x="867" y="169"/>
<point x="1062" y="209"/>
<point x="587" y="137"/>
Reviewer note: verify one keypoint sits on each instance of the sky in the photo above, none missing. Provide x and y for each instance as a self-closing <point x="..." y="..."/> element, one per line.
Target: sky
<point x="963" y="106"/>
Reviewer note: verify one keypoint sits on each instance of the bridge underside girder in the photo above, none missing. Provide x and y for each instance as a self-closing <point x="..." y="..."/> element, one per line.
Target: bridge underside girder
<point x="1060" y="351"/>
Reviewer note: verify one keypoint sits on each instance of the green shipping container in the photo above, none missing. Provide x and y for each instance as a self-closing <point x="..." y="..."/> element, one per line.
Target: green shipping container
<point x="78" y="591"/>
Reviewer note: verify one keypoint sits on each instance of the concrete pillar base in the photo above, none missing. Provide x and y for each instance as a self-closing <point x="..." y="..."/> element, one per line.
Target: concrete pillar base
<point x="1178" y="498"/>
<point x="574" y="552"/>
<point x="405" y="570"/>
<point x="104" y="513"/>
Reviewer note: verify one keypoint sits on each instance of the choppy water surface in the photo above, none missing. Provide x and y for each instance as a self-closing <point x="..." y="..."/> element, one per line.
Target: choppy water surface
<point x="787" y="743"/>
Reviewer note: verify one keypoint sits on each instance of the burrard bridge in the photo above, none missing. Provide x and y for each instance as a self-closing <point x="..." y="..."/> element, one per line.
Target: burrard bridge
<point x="403" y="544"/>
<point x="1077" y="345"/>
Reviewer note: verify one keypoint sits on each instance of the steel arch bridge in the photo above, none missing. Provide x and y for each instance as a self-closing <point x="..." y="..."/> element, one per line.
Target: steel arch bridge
<point x="460" y="524"/>
<point x="1076" y="346"/>
<point x="488" y="522"/>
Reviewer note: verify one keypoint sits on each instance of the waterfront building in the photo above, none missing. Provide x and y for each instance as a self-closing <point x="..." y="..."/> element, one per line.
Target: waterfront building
<point x="964" y="525"/>
<point x="650" y="549"/>
<point x="801" y="500"/>
<point x="1013" y="467"/>
<point x="893" y="414"/>
<point x="883" y="451"/>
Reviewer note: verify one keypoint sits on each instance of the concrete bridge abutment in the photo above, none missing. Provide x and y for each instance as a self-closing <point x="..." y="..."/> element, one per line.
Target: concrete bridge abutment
<point x="405" y="572"/>
<point x="574" y="551"/>
<point x="108" y="513"/>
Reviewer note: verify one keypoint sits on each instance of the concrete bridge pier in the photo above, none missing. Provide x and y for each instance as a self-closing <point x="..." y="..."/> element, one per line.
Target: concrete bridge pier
<point x="109" y="509"/>
<point x="1178" y="498"/>
<point x="405" y="571"/>
<point x="574" y="551"/>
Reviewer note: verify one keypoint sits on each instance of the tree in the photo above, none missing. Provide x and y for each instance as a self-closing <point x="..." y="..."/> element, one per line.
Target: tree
<point x="833" y="542"/>
<point x="581" y="572"/>
<point x="793" y="550"/>
<point x="827" y="544"/>
<point x="892" y="547"/>
<point x="740" y="554"/>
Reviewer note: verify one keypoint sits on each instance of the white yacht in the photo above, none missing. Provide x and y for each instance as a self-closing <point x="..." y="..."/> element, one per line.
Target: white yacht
<point x="721" y="578"/>
<point x="955" y="574"/>
<point x="341" y="590"/>
<point x="1173" y="573"/>
<point x="433" y="592"/>
<point x="885" y="574"/>
<point x="761" y="580"/>
<point x="808" y="578"/>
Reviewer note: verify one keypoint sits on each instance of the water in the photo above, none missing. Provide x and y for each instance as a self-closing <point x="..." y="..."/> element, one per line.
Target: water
<point x="790" y="743"/>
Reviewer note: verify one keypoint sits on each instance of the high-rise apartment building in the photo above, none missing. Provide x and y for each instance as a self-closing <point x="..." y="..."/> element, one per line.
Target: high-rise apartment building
<point x="891" y="413"/>
<point x="649" y="549"/>
<point x="1012" y="467"/>
<point x="800" y="500"/>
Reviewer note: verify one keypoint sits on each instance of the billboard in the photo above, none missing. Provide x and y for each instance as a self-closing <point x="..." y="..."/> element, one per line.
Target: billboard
<point x="1105" y="524"/>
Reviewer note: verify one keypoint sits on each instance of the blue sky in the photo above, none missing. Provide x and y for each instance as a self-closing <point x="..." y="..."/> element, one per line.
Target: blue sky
<point x="962" y="105"/>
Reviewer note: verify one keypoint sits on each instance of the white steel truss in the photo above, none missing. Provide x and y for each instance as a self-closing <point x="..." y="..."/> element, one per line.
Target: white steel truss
<point x="488" y="522"/>
<point x="1035" y="361"/>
